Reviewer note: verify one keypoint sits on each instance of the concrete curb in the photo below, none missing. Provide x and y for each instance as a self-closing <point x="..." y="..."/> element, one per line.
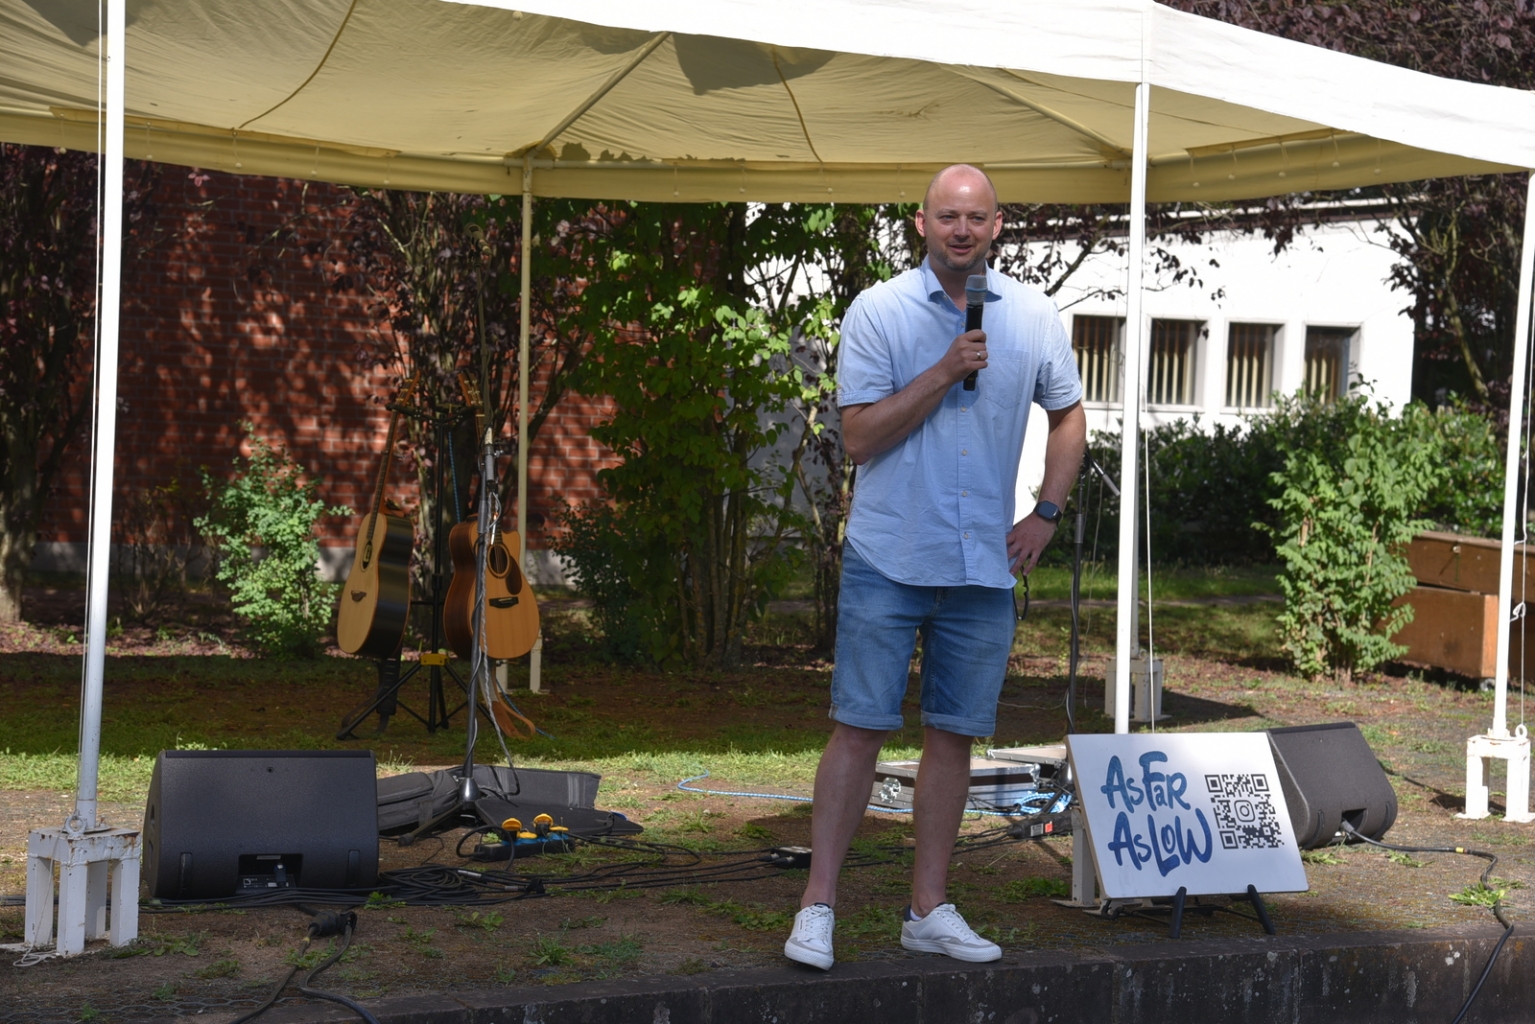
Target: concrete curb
<point x="1362" y="978"/>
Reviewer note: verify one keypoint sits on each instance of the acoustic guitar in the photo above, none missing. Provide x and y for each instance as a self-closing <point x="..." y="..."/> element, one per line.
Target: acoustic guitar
<point x="375" y="603"/>
<point x="511" y="612"/>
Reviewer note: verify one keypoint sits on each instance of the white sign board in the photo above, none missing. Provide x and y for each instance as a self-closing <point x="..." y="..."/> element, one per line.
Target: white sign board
<point x="1201" y="811"/>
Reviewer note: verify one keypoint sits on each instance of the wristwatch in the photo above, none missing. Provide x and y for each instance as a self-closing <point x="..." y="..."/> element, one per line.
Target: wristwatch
<point x="1049" y="511"/>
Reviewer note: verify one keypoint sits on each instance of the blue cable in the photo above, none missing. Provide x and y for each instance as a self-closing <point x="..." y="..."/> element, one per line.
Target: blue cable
<point x="1060" y="804"/>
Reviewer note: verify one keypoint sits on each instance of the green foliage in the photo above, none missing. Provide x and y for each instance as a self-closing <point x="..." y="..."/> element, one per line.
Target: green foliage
<point x="700" y="364"/>
<point x="1020" y="889"/>
<point x="1481" y="894"/>
<point x="1211" y="484"/>
<point x="1208" y="486"/>
<point x="1469" y="497"/>
<point x="625" y="575"/>
<point x="1321" y="855"/>
<point x="152" y="550"/>
<point x="550" y="952"/>
<point x="1353" y="481"/>
<point x="261" y="527"/>
<point x="226" y="968"/>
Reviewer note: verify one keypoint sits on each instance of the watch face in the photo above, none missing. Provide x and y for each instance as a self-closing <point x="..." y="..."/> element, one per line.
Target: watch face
<point x="1049" y="511"/>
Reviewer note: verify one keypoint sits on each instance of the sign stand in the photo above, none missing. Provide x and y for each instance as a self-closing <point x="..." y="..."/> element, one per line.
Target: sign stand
<point x="1175" y="926"/>
<point x="1160" y="818"/>
<point x="1084" y="896"/>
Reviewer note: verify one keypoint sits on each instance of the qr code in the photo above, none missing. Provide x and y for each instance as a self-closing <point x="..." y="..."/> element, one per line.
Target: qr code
<point x="1244" y="812"/>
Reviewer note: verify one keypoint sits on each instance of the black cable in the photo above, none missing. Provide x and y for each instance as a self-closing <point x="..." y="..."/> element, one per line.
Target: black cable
<point x="1497" y="904"/>
<point x="324" y="923"/>
<point x="267" y="1005"/>
<point x="349" y="924"/>
<point x="663" y="865"/>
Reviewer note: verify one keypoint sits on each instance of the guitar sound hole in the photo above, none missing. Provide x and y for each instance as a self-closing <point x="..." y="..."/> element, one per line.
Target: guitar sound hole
<point x="500" y="561"/>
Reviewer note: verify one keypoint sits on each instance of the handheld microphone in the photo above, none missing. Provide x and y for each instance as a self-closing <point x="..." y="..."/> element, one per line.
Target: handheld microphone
<point x="975" y="305"/>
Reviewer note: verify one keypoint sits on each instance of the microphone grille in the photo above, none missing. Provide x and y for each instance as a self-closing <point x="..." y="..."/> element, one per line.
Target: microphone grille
<point x="975" y="289"/>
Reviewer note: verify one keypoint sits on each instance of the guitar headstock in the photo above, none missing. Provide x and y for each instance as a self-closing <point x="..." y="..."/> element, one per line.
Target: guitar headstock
<point x="471" y="395"/>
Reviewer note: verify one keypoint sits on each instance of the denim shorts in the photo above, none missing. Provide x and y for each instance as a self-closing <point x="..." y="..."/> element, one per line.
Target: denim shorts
<point x="967" y="634"/>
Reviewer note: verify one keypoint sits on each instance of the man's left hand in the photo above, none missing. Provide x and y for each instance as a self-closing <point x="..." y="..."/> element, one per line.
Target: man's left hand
<point x="1026" y="542"/>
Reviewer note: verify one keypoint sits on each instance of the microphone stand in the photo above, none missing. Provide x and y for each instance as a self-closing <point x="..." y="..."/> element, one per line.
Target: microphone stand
<point x="1090" y="465"/>
<point x="1084" y="883"/>
<point x="479" y="663"/>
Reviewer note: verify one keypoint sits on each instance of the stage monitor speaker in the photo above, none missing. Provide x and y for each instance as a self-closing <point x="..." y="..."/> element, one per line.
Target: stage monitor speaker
<point x="223" y="823"/>
<point x="1329" y="776"/>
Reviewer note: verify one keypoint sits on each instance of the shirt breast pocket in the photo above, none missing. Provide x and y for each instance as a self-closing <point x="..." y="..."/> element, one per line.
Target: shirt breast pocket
<point x="1001" y="384"/>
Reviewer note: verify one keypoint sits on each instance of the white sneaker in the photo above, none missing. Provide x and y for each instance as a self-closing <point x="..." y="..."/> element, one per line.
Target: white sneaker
<point x="944" y="931"/>
<point x="810" y="942"/>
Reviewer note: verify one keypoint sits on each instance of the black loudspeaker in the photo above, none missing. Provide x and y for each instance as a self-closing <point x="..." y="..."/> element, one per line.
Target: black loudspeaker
<point x="1329" y="776"/>
<point x="222" y="823"/>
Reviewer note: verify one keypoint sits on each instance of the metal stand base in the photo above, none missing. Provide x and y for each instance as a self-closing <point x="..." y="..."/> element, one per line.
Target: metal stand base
<point x="1145" y="690"/>
<point x="1480" y="752"/>
<point x="98" y="893"/>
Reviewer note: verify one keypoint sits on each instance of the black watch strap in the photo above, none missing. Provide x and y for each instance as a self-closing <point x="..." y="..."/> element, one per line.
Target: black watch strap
<point x="1049" y="511"/>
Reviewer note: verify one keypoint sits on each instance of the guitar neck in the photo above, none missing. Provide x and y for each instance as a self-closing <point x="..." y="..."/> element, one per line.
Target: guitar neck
<point x="383" y="469"/>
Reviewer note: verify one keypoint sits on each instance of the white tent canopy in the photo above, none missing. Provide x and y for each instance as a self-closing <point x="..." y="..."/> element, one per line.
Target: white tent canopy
<point x="743" y="99"/>
<point x="794" y="100"/>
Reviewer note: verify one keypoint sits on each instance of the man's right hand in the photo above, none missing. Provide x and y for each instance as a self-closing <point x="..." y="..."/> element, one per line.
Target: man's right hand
<point x="966" y="354"/>
<point x="870" y="429"/>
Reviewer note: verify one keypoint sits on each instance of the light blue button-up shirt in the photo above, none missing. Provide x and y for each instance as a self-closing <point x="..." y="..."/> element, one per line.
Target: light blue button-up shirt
<point x="935" y="510"/>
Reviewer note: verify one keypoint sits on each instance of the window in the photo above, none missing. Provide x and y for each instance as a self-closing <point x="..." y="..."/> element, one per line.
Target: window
<point x="1170" y="370"/>
<point x="1095" y="339"/>
<point x="1250" y="366"/>
<point x="1327" y="352"/>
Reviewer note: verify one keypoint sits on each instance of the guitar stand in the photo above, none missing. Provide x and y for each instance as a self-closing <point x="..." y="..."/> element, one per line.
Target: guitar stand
<point x="385" y="700"/>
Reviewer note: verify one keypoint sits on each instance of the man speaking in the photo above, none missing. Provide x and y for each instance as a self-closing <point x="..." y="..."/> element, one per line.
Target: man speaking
<point x="931" y="543"/>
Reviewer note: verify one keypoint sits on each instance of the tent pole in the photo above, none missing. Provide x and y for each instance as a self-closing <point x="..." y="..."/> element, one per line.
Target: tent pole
<point x="1127" y="641"/>
<point x="97" y="867"/>
<point x="1512" y="521"/>
<point x="105" y="439"/>
<point x="1498" y="743"/>
<point x="525" y="265"/>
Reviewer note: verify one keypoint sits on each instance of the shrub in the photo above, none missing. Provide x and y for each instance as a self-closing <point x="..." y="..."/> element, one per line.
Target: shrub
<point x="1469" y="496"/>
<point x="1212" y="490"/>
<point x="261" y="529"/>
<point x="1208" y="487"/>
<point x="153" y="551"/>
<point x="1353" y="483"/>
<point x="627" y="577"/>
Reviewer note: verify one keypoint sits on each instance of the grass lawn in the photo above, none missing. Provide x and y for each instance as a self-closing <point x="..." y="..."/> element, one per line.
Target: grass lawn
<point x="758" y="728"/>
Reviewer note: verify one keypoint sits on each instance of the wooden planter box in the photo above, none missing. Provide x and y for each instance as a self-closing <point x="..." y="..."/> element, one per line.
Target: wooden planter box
<point x="1455" y="605"/>
<point x="1466" y="563"/>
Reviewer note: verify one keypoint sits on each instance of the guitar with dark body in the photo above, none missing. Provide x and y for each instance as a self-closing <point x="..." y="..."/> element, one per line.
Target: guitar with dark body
<point x="375" y="603"/>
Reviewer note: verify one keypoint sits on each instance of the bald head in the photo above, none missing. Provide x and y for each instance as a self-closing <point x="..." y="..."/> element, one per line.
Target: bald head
<point x="959" y="220"/>
<point x="961" y="180"/>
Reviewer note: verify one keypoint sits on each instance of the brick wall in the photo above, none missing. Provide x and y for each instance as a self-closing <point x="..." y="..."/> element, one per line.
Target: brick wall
<point x="204" y="346"/>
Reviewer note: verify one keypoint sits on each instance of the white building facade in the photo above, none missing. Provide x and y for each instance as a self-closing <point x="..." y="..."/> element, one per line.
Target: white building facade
<point x="1320" y="316"/>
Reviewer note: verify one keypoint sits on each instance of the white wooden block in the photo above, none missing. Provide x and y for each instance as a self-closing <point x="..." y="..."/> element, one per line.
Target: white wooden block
<point x="1481" y="751"/>
<point x="98" y="877"/>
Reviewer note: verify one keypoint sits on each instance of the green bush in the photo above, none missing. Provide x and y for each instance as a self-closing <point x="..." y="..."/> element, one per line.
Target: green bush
<point x="1469" y="497"/>
<point x="1208" y="487"/>
<point x="261" y="530"/>
<point x="626" y="575"/>
<point x="1354" y="481"/>
<point x="1212" y="490"/>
